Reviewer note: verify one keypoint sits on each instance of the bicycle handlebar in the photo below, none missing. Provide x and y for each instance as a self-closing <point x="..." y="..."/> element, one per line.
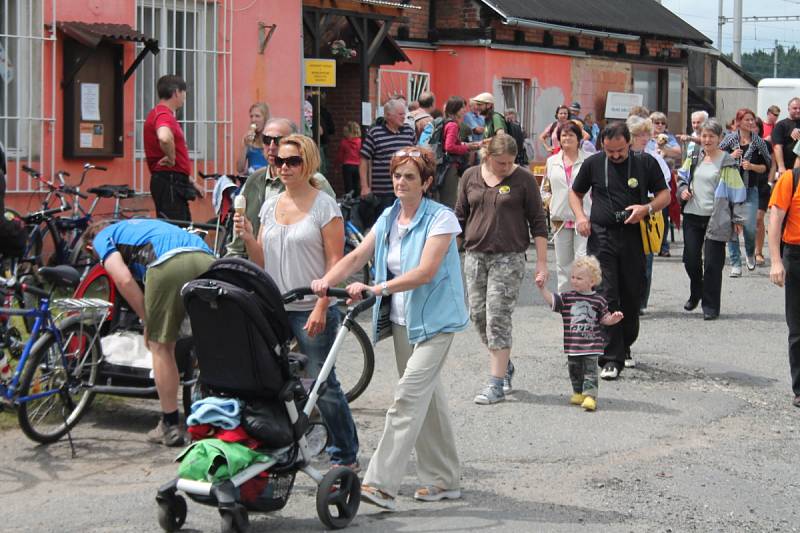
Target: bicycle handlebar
<point x="301" y="292"/>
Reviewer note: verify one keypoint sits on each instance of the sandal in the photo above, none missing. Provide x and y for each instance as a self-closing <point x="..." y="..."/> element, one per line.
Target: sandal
<point x="760" y="260"/>
<point x="376" y="496"/>
<point x="432" y="493"/>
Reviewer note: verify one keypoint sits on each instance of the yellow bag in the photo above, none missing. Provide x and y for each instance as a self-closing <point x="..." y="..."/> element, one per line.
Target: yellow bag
<point x="652" y="228"/>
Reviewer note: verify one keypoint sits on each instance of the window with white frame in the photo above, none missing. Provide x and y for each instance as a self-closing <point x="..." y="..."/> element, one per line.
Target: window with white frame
<point x="22" y="85"/>
<point x="517" y="96"/>
<point x="187" y="39"/>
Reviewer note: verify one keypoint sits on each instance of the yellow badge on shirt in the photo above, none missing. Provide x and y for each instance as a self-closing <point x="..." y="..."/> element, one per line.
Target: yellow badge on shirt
<point x="633" y="183"/>
<point x="505" y="189"/>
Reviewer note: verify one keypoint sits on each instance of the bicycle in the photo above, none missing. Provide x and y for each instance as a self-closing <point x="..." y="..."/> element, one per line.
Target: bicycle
<point x="53" y="383"/>
<point x="65" y="233"/>
<point x="355" y="363"/>
<point x="352" y="238"/>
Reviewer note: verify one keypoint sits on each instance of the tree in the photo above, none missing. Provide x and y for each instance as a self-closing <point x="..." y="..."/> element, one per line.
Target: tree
<point x="759" y="63"/>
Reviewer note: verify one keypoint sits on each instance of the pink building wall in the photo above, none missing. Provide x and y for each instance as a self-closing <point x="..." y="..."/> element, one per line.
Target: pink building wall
<point x="274" y="76"/>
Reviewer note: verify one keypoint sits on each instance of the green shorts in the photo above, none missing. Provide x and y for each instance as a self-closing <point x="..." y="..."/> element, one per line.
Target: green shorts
<point x="163" y="305"/>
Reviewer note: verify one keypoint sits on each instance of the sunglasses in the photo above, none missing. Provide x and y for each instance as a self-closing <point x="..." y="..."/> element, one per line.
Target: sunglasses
<point x="268" y="139"/>
<point x="660" y="122"/>
<point x="291" y="161"/>
<point x="408" y="153"/>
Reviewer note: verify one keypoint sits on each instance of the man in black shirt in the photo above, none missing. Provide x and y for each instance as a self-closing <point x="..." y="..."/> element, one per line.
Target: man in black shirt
<point x="619" y="181"/>
<point x="785" y="135"/>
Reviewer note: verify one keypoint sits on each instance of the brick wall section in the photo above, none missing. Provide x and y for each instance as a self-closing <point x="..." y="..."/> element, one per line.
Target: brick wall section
<point x="416" y="21"/>
<point x="593" y="78"/>
<point x="344" y="103"/>
<point x="456" y="14"/>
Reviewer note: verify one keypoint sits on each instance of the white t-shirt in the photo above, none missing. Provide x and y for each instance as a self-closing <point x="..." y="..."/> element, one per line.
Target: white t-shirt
<point x="294" y="254"/>
<point x="445" y="223"/>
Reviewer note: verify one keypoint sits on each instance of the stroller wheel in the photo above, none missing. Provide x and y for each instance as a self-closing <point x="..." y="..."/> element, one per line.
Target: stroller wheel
<point x="338" y="496"/>
<point x="172" y="513"/>
<point x="235" y="520"/>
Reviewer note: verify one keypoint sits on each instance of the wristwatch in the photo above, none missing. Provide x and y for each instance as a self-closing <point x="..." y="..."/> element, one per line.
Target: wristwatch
<point x="650" y="209"/>
<point x="385" y="289"/>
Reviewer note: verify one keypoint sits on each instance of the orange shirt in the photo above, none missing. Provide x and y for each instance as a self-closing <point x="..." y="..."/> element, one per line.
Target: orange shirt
<point x="781" y="198"/>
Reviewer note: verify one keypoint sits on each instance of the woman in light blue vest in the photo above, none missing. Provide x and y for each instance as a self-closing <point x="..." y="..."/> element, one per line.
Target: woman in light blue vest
<point x="417" y="266"/>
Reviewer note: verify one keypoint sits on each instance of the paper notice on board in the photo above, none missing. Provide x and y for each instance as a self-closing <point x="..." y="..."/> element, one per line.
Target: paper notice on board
<point x="90" y="135"/>
<point x="366" y="112"/>
<point x="90" y="101"/>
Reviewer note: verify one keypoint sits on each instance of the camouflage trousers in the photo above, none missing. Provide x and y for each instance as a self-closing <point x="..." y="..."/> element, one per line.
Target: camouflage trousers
<point x="583" y="374"/>
<point x="493" y="282"/>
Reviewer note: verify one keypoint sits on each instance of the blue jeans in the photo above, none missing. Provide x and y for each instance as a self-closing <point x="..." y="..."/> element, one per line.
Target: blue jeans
<point x="332" y="403"/>
<point x="749" y="230"/>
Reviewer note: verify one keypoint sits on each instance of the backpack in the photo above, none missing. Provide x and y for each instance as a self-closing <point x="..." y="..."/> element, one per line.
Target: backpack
<point x="795" y="180"/>
<point x="425" y="135"/>
<point x="515" y="130"/>
<point x="436" y="144"/>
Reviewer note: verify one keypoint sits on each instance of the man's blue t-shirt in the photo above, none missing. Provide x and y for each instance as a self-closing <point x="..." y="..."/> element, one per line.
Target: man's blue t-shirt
<point x="145" y="242"/>
<point x="473" y="120"/>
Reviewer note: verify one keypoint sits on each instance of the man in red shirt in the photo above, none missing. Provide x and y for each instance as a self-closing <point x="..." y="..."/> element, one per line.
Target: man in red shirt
<point x="769" y="122"/>
<point x="166" y="152"/>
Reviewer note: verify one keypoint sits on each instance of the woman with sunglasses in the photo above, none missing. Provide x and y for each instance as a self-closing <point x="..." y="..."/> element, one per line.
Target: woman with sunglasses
<point x="498" y="206"/>
<point x="418" y="271"/>
<point x="251" y="153"/>
<point x="300" y="238"/>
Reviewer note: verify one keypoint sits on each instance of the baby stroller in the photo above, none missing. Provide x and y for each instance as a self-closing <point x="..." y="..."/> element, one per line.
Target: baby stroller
<point x="242" y="335"/>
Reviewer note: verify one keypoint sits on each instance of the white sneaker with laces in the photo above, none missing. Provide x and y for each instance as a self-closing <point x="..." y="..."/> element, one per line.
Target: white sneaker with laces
<point x="736" y="271"/>
<point x="751" y="262"/>
<point x="609" y="372"/>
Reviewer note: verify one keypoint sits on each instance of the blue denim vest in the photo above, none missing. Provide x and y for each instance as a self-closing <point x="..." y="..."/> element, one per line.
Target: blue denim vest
<point x="436" y="307"/>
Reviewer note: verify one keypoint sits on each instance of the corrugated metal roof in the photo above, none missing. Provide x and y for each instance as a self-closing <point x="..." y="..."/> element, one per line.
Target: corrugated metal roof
<point x="91" y="34"/>
<point x="636" y="17"/>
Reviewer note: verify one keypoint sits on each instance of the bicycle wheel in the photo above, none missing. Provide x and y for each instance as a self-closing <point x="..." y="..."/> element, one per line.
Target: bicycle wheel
<point x="81" y="259"/>
<point x="355" y="363"/>
<point x="71" y="377"/>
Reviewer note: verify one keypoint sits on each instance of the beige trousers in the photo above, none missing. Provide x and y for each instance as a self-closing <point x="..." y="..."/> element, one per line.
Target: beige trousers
<point x="418" y="419"/>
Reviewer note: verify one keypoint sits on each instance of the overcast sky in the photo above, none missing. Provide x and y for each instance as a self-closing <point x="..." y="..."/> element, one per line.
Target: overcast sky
<point x="703" y="14"/>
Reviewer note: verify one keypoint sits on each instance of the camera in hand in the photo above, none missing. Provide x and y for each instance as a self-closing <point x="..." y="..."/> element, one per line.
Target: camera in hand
<point x="621" y="216"/>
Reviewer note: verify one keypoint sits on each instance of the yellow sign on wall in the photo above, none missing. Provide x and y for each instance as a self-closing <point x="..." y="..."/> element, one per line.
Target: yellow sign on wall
<point x="320" y="72"/>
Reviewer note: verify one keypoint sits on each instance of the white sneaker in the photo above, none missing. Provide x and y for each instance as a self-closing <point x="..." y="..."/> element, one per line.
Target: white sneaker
<point x="630" y="363"/>
<point x="736" y="271"/>
<point x="751" y="262"/>
<point x="609" y="372"/>
<point x="489" y="395"/>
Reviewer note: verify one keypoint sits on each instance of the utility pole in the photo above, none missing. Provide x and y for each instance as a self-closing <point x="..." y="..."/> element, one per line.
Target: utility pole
<point x="737" y="32"/>
<point x="720" y="23"/>
<point x="775" y="60"/>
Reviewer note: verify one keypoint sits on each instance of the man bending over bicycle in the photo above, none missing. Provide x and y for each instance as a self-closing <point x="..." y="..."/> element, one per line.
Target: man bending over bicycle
<point x="164" y="257"/>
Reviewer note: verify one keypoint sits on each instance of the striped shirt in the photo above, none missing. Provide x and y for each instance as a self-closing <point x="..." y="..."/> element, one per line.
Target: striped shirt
<point x="379" y="146"/>
<point x="581" y="313"/>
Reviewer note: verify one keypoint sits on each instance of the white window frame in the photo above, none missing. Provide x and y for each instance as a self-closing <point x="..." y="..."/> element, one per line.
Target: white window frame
<point x="522" y="100"/>
<point x="211" y="124"/>
<point x="24" y="40"/>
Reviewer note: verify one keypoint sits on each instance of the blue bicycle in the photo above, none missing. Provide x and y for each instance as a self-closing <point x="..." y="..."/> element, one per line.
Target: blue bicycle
<point x="352" y="238"/>
<point x="52" y="385"/>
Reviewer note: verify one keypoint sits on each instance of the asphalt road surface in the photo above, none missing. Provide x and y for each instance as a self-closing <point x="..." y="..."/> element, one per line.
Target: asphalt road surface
<point x="700" y="436"/>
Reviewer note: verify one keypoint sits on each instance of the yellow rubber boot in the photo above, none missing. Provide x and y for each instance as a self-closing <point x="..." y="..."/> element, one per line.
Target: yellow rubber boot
<point x="577" y="398"/>
<point x="589" y="404"/>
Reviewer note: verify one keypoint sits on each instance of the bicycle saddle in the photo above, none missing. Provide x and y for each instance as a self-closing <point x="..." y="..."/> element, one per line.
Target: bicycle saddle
<point x="111" y="191"/>
<point x="61" y="275"/>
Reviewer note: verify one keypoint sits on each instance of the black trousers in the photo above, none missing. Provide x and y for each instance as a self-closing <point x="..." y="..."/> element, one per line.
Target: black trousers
<point x="791" y="263"/>
<point x="169" y="195"/>
<point x="352" y="181"/>
<point x="619" y="250"/>
<point x="703" y="260"/>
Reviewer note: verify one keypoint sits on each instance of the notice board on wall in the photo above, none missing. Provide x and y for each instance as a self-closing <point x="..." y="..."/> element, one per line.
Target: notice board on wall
<point x="93" y="100"/>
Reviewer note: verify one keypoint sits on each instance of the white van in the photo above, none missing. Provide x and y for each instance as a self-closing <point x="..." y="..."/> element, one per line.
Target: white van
<point x="776" y="91"/>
